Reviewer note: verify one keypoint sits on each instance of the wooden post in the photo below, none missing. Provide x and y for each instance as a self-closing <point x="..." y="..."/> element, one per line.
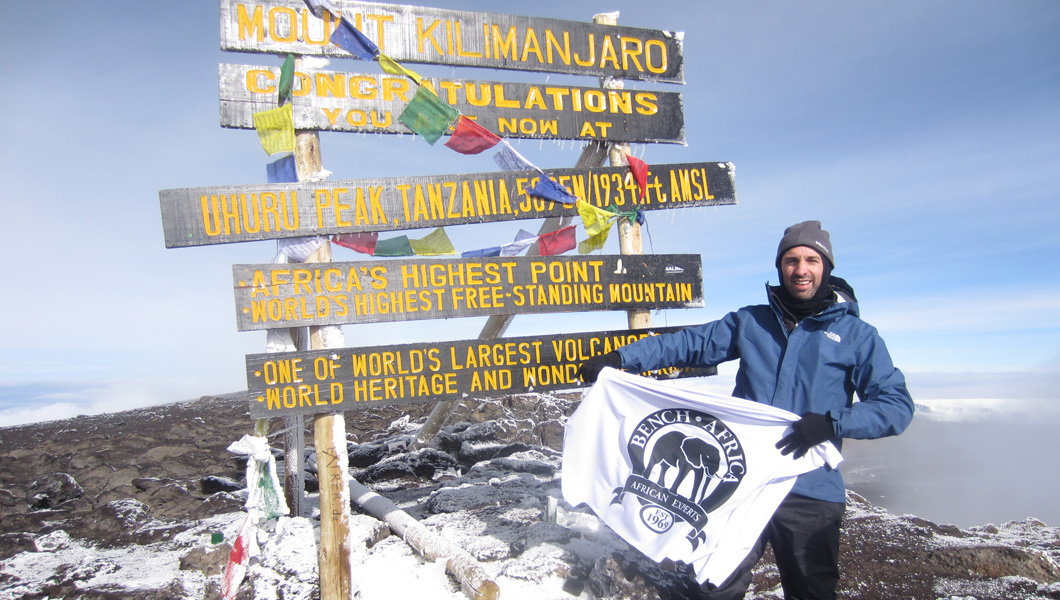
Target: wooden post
<point x="629" y="239"/>
<point x="329" y="430"/>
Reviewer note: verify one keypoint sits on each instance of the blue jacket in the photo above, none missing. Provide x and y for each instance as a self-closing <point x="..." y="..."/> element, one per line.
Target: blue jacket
<point x="816" y="368"/>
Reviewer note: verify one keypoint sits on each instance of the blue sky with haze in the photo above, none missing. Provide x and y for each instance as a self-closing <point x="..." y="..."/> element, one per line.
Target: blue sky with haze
<point x="924" y="134"/>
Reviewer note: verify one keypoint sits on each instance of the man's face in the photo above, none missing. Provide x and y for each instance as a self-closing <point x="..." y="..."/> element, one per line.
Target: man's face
<point x="801" y="272"/>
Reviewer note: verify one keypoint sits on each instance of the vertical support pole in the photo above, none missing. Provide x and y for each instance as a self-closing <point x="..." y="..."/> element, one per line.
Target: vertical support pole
<point x="329" y="430"/>
<point x="629" y="238"/>
<point x="293" y="469"/>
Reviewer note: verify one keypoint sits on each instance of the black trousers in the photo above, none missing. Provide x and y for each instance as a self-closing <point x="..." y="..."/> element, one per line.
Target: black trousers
<point x="804" y="534"/>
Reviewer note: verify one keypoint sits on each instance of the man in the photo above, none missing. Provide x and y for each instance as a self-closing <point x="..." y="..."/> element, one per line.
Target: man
<point x="808" y="352"/>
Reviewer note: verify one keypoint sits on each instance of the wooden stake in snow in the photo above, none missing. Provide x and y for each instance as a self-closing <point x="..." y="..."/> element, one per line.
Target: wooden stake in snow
<point x="474" y="581"/>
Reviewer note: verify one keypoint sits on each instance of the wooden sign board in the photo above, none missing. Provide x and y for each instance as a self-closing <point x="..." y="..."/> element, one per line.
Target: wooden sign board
<point x="318" y="381"/>
<point x="372" y="103"/>
<point x="295" y="295"/>
<point x="418" y="34"/>
<point x="219" y="215"/>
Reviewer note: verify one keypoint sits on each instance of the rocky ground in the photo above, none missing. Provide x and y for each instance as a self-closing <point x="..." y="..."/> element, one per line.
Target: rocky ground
<point x="145" y="504"/>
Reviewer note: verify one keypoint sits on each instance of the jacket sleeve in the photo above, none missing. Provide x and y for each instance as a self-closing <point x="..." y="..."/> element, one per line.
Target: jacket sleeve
<point x="886" y="407"/>
<point x="694" y="346"/>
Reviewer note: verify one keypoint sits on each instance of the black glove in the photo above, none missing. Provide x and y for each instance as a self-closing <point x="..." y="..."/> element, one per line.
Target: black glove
<point x="807" y="432"/>
<point x="591" y="368"/>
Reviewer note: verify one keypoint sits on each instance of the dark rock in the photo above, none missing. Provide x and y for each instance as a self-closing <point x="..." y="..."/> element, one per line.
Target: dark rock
<point x="115" y="522"/>
<point x="146" y="484"/>
<point x="312" y="483"/>
<point x="471" y="452"/>
<point x="211" y="485"/>
<point x="217" y="504"/>
<point x="366" y="455"/>
<point x="608" y="580"/>
<point x="208" y="561"/>
<point x="52" y="491"/>
<point x="13" y="543"/>
<point x="423" y="463"/>
<point x="172" y="500"/>
<point x="993" y="562"/>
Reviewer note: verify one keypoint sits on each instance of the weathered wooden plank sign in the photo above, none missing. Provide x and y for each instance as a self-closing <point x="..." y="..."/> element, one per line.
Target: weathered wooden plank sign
<point x="460" y="38"/>
<point x="355" y="378"/>
<point x="294" y="295"/>
<point x="241" y="213"/>
<point x="372" y="103"/>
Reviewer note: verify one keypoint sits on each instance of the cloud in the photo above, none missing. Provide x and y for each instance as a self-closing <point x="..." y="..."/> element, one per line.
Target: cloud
<point x="46" y="401"/>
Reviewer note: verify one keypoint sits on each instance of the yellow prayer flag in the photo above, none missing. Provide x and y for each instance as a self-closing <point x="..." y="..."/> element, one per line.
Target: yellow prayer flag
<point x="594" y="219"/>
<point x="433" y="244"/>
<point x="276" y="129"/>
<point x="391" y="66"/>
<point x="594" y="242"/>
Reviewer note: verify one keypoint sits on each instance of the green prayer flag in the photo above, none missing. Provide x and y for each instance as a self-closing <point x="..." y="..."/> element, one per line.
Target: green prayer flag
<point x="398" y="246"/>
<point x="286" y="80"/>
<point x="428" y="115"/>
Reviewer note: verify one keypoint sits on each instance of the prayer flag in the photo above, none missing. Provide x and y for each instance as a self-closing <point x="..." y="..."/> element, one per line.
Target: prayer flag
<point x="398" y="246"/>
<point x="428" y="115"/>
<point x="361" y="242"/>
<point x="298" y="249"/>
<point x="433" y="244"/>
<point x="239" y="557"/>
<point x="523" y="240"/>
<point x="594" y="219"/>
<point x="597" y="225"/>
<point x="391" y="66"/>
<point x="550" y="189"/>
<point x="350" y="39"/>
<point x="593" y="243"/>
<point x="557" y="242"/>
<point x="275" y="129"/>
<point x="494" y="251"/>
<point x="286" y="80"/>
<point x="510" y="160"/>
<point x="471" y="138"/>
<point x="640" y="173"/>
<point x="282" y="170"/>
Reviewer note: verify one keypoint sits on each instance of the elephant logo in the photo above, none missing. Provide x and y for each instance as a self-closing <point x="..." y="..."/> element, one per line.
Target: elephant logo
<point x="689" y="456"/>
<point x="685" y="464"/>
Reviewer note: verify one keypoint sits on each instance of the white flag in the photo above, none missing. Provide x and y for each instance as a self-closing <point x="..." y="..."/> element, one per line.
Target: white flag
<point x="681" y="473"/>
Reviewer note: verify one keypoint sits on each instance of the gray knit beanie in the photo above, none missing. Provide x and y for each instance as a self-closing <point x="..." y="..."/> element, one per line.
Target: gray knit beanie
<point x="810" y="234"/>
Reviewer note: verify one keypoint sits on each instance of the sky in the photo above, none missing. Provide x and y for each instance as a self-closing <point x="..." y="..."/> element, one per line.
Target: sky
<point x="925" y="135"/>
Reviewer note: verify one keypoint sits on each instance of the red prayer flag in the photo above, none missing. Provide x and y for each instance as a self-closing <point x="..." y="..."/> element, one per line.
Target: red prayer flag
<point x="556" y="242"/>
<point x="471" y="138"/>
<point x="640" y="173"/>
<point x="361" y="242"/>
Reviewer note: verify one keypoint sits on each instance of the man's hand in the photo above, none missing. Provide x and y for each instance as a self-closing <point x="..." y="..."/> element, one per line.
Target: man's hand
<point x="591" y="368"/>
<point x="807" y="432"/>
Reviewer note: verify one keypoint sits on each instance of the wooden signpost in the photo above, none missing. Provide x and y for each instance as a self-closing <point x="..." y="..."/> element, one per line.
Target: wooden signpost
<point x="418" y="34"/>
<point x="372" y="103"/>
<point x="291" y="295"/>
<point x="240" y="213"/>
<point x="356" y="378"/>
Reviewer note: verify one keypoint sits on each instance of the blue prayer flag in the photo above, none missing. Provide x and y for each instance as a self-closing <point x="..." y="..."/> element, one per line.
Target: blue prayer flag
<point x="348" y="38"/>
<point x="283" y="170"/>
